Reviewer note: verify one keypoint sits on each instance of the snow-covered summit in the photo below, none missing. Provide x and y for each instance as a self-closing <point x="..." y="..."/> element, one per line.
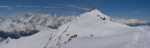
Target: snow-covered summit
<point x="94" y="14"/>
<point x="89" y="24"/>
<point x="93" y="22"/>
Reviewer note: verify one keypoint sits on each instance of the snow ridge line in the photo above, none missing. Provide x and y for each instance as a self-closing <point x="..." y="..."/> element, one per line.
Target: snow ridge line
<point x="58" y="42"/>
<point x="48" y="41"/>
<point x="53" y="37"/>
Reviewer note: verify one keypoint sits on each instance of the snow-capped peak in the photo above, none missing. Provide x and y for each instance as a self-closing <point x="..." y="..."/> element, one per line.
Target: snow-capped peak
<point x="94" y="14"/>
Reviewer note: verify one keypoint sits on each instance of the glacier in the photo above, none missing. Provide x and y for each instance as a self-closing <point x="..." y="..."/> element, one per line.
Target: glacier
<point x="92" y="29"/>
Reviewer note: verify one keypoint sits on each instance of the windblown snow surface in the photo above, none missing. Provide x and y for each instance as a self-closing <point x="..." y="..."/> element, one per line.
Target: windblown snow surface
<point x="89" y="30"/>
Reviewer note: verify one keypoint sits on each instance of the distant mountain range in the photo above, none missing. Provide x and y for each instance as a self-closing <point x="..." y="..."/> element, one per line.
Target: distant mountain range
<point x="29" y="23"/>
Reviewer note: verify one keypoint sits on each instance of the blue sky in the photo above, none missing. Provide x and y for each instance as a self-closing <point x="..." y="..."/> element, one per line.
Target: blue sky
<point x="113" y="8"/>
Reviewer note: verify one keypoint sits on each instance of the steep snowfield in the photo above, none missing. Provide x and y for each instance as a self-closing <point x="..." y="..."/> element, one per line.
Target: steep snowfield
<point x="35" y="41"/>
<point x="92" y="29"/>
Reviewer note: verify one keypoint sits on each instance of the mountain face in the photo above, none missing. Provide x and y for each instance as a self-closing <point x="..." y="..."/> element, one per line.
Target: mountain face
<point x="29" y="24"/>
<point x="92" y="29"/>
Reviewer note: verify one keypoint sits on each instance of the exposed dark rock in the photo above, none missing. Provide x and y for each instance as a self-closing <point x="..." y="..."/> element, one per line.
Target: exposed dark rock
<point x="54" y="26"/>
<point x="73" y="36"/>
<point x="9" y="34"/>
<point x="16" y="35"/>
<point x="91" y="35"/>
<point x="31" y="32"/>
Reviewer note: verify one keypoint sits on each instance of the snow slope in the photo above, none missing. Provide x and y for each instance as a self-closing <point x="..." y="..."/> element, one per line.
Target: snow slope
<point x="35" y="41"/>
<point x="92" y="29"/>
<point x="90" y="25"/>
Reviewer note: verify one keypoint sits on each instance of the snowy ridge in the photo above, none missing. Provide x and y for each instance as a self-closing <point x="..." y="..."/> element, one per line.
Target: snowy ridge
<point x="91" y="25"/>
<point x="92" y="29"/>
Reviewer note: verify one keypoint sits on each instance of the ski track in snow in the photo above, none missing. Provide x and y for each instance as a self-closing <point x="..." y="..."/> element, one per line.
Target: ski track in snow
<point x="141" y="40"/>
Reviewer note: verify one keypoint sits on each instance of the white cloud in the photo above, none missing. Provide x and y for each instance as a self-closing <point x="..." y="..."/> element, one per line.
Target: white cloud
<point x="7" y="7"/>
<point x="4" y="6"/>
<point x="30" y="6"/>
<point x="82" y="8"/>
<point x="26" y="6"/>
<point x="51" y="7"/>
<point x="138" y="11"/>
<point x="72" y="12"/>
<point x="130" y="20"/>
